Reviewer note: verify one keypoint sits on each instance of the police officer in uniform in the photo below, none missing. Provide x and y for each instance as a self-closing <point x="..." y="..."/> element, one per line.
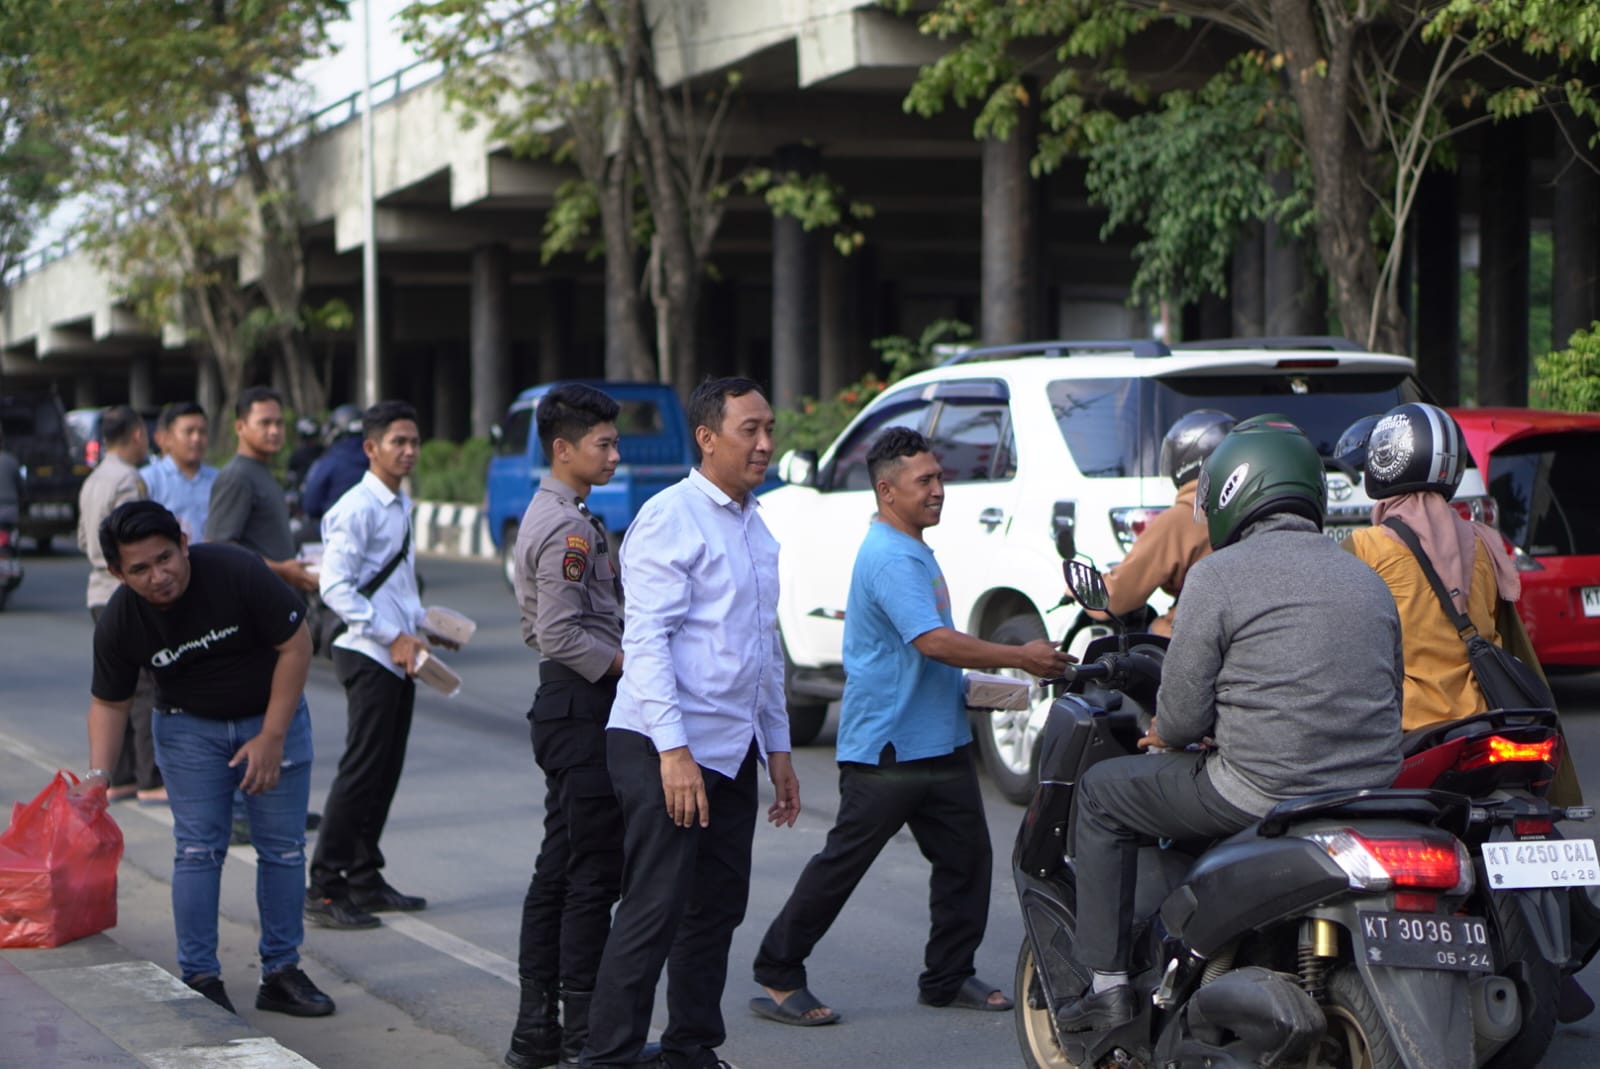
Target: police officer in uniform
<point x="569" y="591"/>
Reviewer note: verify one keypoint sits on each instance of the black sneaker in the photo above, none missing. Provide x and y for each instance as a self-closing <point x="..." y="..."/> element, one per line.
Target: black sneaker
<point x="1098" y="1011"/>
<point x="338" y="913"/>
<point x="211" y="987"/>
<point x="386" y="899"/>
<point x="291" y="991"/>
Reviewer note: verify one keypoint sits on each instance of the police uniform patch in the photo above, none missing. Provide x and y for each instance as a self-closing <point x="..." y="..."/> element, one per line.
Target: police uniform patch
<point x="578" y="542"/>
<point x="573" y="564"/>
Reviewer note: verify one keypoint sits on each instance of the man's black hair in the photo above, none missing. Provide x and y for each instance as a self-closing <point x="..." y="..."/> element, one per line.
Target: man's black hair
<point x="176" y="410"/>
<point x="891" y="447"/>
<point x="252" y="396"/>
<point x="569" y="412"/>
<point x="710" y="400"/>
<point x="134" y="521"/>
<point x="377" y="418"/>
<point x="118" y="424"/>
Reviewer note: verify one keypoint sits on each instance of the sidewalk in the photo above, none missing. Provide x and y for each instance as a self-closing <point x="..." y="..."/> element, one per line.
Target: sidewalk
<point x="93" y="1003"/>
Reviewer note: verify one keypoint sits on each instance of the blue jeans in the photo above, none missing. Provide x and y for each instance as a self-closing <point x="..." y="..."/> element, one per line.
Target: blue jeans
<point x="193" y="753"/>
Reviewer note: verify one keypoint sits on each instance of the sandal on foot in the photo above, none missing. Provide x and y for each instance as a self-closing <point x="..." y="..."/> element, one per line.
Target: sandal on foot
<point x="793" y="1010"/>
<point x="973" y="994"/>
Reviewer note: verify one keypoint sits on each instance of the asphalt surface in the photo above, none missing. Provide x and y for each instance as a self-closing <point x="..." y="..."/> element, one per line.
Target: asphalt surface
<point x="438" y="988"/>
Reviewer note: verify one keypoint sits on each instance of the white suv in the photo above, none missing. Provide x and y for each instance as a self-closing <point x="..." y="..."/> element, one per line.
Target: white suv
<point x="1047" y="444"/>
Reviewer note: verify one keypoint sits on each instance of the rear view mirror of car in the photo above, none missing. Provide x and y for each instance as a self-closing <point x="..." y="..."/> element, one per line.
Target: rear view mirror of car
<point x="798" y="467"/>
<point x="1064" y="528"/>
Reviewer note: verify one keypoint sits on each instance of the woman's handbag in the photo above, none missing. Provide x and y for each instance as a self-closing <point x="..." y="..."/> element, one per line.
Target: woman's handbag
<point x="1506" y="682"/>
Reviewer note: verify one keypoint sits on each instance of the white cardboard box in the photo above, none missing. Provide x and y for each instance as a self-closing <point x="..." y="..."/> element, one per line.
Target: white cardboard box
<point x="988" y="691"/>
<point x="436" y="674"/>
<point x="452" y="626"/>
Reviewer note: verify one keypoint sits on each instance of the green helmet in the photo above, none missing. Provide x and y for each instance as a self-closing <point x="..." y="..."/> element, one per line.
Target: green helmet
<point x="1264" y="465"/>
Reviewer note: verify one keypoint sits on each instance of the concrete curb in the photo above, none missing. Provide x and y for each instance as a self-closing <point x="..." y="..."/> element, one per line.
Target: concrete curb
<point x="448" y="530"/>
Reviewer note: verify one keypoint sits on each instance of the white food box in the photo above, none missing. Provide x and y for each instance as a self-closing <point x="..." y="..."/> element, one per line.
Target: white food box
<point x="440" y="622"/>
<point x="988" y="691"/>
<point x="436" y="674"/>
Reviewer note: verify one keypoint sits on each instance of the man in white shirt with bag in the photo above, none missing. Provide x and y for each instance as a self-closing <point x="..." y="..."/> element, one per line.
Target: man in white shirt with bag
<point x="368" y="578"/>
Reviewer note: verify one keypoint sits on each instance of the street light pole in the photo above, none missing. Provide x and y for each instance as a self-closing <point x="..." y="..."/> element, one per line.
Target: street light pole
<point x="370" y="364"/>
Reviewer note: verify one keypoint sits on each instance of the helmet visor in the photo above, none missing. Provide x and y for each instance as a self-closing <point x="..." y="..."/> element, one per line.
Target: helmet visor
<point x="1202" y="494"/>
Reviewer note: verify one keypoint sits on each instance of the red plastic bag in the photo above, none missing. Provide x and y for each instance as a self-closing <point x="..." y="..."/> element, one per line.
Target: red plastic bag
<point x="58" y="867"/>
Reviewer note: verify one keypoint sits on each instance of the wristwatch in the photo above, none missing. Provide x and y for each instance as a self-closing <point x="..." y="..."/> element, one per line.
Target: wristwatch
<point x="93" y="772"/>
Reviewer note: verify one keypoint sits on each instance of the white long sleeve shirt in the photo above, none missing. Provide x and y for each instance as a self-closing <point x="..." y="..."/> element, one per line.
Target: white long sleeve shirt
<point x="360" y="534"/>
<point x="702" y="660"/>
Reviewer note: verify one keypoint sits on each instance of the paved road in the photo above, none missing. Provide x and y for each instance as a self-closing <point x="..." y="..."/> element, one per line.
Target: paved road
<point x="438" y="988"/>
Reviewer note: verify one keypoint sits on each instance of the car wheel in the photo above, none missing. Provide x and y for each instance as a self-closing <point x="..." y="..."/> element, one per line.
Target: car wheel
<point x="807" y="714"/>
<point x="508" y="554"/>
<point x="1008" y="740"/>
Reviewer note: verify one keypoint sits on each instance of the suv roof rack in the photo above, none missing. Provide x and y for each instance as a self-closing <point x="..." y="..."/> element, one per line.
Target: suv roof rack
<point x="1331" y="342"/>
<point x="1141" y="347"/>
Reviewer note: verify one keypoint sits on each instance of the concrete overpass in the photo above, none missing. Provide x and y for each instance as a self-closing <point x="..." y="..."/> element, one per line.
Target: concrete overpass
<point x="467" y="310"/>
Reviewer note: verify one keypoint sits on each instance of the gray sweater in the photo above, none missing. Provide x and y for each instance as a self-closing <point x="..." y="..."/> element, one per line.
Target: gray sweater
<point x="1288" y="653"/>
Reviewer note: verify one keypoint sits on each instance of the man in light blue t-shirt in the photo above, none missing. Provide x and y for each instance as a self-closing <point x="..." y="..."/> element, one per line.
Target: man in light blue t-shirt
<point x="904" y="751"/>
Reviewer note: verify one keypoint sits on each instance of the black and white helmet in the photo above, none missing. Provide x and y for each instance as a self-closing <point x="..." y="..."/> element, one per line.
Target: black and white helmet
<point x="1415" y="447"/>
<point x="1189" y="441"/>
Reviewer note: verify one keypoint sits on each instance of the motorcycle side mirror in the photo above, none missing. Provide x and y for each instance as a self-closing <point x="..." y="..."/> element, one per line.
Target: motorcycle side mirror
<point x="1088" y="586"/>
<point x="497" y="434"/>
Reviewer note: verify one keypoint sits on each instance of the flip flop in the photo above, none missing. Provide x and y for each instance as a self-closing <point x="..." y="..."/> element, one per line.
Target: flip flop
<point x="973" y="994"/>
<point x="793" y="1009"/>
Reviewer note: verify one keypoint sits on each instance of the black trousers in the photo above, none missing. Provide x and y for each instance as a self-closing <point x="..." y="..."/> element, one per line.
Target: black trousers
<point x="136" y="760"/>
<point x="1123" y="804"/>
<point x="566" y="914"/>
<point x="378" y="710"/>
<point x="684" y="891"/>
<point x="939" y="799"/>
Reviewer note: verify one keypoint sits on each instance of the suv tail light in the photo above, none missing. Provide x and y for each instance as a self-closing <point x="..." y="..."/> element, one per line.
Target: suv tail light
<point x="1129" y="523"/>
<point x="1499" y="750"/>
<point x="91" y="453"/>
<point x="1481" y="509"/>
<point x="5" y="537"/>
<point x="1428" y="862"/>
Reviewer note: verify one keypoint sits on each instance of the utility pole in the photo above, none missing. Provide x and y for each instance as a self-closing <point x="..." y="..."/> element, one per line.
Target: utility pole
<point x="371" y="357"/>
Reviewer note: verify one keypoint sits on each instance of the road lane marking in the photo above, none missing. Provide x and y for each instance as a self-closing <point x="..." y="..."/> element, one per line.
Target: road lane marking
<point x="419" y="931"/>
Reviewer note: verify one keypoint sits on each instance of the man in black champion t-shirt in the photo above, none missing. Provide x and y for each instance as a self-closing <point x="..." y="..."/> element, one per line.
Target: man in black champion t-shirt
<point x="227" y="644"/>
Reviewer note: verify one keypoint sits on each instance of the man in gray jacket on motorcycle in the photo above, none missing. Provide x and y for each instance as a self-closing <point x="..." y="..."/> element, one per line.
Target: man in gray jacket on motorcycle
<point x="1285" y="655"/>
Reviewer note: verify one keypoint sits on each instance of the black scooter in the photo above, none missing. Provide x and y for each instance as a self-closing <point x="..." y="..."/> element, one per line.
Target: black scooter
<point x="1328" y="935"/>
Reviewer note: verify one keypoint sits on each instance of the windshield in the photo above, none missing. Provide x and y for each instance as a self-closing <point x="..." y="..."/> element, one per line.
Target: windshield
<point x="1544" y="486"/>
<point x="1114" y="427"/>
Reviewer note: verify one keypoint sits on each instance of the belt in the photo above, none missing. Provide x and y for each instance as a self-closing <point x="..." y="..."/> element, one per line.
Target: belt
<point x="553" y="671"/>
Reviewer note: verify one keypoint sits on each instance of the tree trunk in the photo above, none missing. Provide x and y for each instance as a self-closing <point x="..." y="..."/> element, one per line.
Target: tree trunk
<point x="627" y="349"/>
<point x="1319" y="73"/>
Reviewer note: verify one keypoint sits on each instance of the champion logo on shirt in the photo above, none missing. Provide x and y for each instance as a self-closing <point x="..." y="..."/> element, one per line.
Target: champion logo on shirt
<point x="163" y="658"/>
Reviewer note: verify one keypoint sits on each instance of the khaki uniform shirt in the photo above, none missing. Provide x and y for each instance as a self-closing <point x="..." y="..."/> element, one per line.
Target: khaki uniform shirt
<point x="1161" y="558"/>
<point x="112" y="482"/>
<point x="567" y="582"/>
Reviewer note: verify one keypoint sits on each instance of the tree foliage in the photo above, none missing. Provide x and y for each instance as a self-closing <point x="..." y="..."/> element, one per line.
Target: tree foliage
<point x="1371" y="94"/>
<point x="1569" y="379"/>
<point x="178" y="115"/>
<point x="29" y="153"/>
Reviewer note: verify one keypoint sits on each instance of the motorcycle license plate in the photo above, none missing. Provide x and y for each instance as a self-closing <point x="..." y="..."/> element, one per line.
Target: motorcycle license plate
<point x="1542" y="863"/>
<point x="1424" y="941"/>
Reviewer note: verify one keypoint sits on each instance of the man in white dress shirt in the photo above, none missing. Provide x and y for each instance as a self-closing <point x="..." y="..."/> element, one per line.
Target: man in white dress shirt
<point x="369" y="579"/>
<point x="699" y="706"/>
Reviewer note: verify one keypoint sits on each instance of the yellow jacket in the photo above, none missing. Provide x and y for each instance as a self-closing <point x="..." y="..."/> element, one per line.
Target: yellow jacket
<point x="1439" y="682"/>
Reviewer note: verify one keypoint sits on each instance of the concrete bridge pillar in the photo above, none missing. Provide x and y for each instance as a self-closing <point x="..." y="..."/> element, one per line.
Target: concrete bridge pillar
<point x="1010" y="277"/>
<point x="1503" y="265"/>
<point x="795" y="287"/>
<point x="208" y="391"/>
<point x="555" y="300"/>
<point x="491" y="336"/>
<point x="1293" y="294"/>
<point x="1437" y="325"/>
<point x="450" y="403"/>
<point x="1247" y="284"/>
<point x="1575" y="278"/>
<point x="142" y="381"/>
<point x="840" y="330"/>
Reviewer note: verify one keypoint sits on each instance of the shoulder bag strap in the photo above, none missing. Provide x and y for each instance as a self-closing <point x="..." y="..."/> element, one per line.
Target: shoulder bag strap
<point x="370" y="587"/>
<point x="1462" y="623"/>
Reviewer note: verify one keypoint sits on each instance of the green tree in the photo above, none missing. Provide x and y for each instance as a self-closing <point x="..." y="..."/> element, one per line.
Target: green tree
<point x="28" y="151"/>
<point x="1569" y="379"/>
<point x="1376" y="91"/>
<point x="180" y="114"/>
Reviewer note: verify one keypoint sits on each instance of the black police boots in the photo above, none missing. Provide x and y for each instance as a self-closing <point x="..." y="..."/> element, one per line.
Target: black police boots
<point x="536" y="1039"/>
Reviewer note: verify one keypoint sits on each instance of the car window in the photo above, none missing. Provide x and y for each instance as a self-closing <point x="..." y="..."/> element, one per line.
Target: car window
<point x="514" y="433"/>
<point x="974" y="442"/>
<point x="849" y="466"/>
<point x="1113" y="427"/>
<point x="638" y="417"/>
<point x="1544" y="486"/>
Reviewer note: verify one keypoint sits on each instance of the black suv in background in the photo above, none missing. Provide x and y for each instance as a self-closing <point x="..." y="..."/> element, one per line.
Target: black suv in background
<point x="36" y="433"/>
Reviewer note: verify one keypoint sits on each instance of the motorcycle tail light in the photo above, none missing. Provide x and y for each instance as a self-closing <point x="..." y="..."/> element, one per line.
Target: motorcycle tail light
<point x="91" y="453"/>
<point x="1416" y="901"/>
<point x="5" y="537"/>
<point x="1129" y="523"/>
<point x="1425" y="862"/>
<point x="1499" y="750"/>
<point x="1533" y="827"/>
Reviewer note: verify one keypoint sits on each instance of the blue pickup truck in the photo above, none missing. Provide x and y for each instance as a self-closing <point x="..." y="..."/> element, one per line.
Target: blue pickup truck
<point x="654" y="442"/>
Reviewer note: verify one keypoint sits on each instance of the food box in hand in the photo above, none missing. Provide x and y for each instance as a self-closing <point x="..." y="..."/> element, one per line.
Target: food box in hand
<point x="436" y="674"/>
<point x="987" y="691"/>
<point x="449" y="625"/>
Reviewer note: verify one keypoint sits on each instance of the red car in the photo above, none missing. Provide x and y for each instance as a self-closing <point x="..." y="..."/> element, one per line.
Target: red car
<point x="1541" y="468"/>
